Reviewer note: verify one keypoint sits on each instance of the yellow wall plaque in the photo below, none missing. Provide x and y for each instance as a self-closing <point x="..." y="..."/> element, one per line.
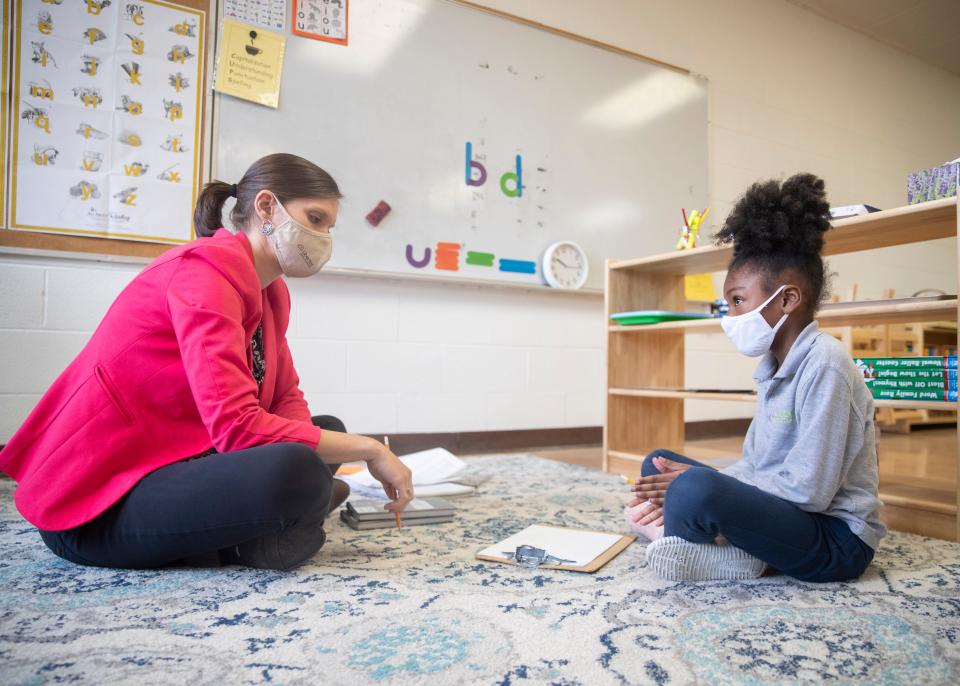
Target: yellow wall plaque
<point x="250" y="63"/>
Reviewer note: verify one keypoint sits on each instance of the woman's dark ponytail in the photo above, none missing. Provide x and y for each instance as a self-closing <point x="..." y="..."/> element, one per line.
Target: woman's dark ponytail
<point x="208" y="214"/>
<point x="287" y="176"/>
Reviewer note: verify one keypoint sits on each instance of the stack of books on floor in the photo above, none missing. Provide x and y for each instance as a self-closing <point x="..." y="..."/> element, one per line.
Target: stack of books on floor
<point x="369" y="514"/>
<point x="910" y="378"/>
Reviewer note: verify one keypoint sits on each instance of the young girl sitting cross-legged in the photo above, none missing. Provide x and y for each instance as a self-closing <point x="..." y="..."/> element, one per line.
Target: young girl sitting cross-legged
<point x="803" y="500"/>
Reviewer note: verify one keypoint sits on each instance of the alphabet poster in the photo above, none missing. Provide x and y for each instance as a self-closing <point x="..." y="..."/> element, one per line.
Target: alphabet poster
<point x="321" y="20"/>
<point x="271" y="13"/>
<point x="106" y="133"/>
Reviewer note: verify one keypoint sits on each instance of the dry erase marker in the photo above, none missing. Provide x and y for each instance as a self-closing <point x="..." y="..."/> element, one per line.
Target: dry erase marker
<point x="386" y="442"/>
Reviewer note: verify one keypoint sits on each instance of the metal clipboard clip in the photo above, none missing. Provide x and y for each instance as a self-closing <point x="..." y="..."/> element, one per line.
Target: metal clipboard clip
<point x="529" y="556"/>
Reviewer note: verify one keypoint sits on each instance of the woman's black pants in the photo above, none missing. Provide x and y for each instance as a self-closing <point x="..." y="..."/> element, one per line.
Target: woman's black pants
<point x="261" y="507"/>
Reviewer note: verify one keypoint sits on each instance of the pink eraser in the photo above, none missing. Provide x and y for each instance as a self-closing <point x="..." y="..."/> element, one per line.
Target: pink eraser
<point x="648" y="531"/>
<point x="377" y="214"/>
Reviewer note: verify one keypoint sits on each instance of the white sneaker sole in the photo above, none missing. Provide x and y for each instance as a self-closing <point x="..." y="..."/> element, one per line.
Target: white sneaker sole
<point x="675" y="559"/>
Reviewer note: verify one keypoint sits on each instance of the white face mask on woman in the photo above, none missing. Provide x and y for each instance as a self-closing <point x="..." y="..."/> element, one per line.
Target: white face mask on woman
<point x="750" y="332"/>
<point x="299" y="250"/>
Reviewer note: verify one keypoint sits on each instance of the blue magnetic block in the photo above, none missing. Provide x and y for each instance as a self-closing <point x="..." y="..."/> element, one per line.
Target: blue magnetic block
<point x="518" y="266"/>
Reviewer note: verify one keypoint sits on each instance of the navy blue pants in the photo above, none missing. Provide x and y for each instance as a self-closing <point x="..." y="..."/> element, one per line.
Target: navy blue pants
<point x="702" y="503"/>
<point x="263" y="507"/>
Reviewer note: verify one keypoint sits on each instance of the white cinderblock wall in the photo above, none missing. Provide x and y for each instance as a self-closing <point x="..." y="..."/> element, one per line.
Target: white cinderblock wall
<point x="384" y="355"/>
<point x="789" y="91"/>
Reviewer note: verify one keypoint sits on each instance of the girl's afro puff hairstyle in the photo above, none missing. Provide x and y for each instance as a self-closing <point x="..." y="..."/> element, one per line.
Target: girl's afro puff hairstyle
<point x="776" y="227"/>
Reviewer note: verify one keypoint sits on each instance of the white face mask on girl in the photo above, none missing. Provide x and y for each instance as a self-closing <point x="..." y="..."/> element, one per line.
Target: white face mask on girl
<point x="299" y="250"/>
<point x="750" y="332"/>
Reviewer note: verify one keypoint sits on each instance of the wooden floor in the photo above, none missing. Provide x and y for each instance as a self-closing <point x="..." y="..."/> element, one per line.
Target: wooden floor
<point x="918" y="475"/>
<point x="717" y="452"/>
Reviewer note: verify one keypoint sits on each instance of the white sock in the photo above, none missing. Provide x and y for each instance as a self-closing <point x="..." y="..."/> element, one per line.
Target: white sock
<point x="675" y="559"/>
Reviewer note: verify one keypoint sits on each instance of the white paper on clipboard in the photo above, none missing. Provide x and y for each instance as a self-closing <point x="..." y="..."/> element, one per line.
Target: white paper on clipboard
<point x="582" y="547"/>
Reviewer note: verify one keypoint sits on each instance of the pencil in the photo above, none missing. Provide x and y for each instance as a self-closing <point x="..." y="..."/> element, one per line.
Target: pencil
<point x="386" y="442"/>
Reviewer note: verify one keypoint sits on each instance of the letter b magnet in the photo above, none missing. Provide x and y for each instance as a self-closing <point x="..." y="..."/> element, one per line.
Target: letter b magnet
<point x="473" y="164"/>
<point x="511" y="183"/>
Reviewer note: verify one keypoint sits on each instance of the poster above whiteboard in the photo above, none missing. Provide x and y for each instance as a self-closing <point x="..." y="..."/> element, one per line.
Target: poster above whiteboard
<point x="485" y="137"/>
<point x="106" y="133"/>
<point x="326" y="20"/>
<point x="270" y="13"/>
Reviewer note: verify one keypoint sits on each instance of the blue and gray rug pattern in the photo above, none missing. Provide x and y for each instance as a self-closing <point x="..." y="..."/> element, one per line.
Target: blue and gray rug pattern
<point x="413" y="606"/>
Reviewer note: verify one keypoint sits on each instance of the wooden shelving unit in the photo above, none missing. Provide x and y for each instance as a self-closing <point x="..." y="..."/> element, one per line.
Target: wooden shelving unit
<point x="645" y="364"/>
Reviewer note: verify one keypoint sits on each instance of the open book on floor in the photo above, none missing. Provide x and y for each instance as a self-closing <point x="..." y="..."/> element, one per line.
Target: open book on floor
<point x="369" y="514"/>
<point x="436" y="472"/>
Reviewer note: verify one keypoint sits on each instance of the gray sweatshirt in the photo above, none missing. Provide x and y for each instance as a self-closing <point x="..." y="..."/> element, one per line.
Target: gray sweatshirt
<point x="812" y="441"/>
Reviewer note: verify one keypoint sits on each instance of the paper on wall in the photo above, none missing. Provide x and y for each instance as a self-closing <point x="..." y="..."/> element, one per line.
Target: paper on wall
<point x="106" y="135"/>
<point x="250" y="63"/>
<point x="270" y="13"/>
<point x="324" y="20"/>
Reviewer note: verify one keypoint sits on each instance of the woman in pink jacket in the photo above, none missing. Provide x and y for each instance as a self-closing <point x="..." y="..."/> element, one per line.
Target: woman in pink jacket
<point x="180" y="431"/>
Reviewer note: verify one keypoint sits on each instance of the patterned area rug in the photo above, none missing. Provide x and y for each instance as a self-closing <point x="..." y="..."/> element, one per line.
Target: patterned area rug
<point x="414" y="607"/>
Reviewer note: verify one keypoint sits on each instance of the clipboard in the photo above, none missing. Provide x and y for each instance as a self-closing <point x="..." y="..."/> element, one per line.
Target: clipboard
<point x="545" y="535"/>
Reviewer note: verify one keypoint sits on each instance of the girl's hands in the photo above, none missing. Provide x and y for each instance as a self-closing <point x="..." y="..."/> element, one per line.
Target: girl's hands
<point x="654" y="487"/>
<point x="395" y="477"/>
<point x="653" y="514"/>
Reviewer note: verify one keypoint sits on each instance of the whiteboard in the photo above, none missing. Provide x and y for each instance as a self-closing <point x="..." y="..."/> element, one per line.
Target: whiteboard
<point x="610" y="147"/>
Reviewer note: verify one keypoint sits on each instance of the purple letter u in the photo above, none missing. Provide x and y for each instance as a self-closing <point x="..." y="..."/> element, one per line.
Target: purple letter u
<point x="419" y="264"/>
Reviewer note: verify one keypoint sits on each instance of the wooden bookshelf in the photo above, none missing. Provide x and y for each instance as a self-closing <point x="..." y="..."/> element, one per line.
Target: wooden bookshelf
<point x="912" y="224"/>
<point x="645" y="364"/>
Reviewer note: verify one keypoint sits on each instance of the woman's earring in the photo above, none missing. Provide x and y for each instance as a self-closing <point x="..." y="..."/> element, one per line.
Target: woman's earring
<point x="267" y="228"/>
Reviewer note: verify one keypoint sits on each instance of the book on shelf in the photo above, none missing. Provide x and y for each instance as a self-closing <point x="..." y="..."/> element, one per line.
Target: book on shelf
<point x="934" y="349"/>
<point x="912" y="384"/>
<point x="641" y="317"/>
<point x="872" y="366"/>
<point x="918" y="374"/>
<point x="915" y="394"/>
<point x="851" y="211"/>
